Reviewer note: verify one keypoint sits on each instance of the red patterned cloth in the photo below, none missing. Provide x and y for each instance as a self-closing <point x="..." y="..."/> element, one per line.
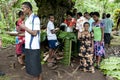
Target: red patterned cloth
<point x="70" y="23"/>
<point x="21" y="39"/>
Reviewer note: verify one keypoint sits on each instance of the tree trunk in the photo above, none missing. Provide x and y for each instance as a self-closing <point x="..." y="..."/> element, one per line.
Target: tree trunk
<point x="56" y="7"/>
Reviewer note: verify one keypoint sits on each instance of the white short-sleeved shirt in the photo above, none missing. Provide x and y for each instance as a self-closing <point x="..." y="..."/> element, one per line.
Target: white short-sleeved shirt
<point x="50" y="36"/>
<point x="80" y="22"/>
<point x="36" y="40"/>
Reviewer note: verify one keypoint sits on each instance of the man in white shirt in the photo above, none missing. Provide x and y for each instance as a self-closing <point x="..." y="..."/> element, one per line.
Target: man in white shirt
<point x="80" y="21"/>
<point x="32" y="42"/>
<point x="79" y="26"/>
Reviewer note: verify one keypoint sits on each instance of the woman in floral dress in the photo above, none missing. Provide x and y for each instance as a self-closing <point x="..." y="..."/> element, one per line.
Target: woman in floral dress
<point x="98" y="30"/>
<point x="86" y="49"/>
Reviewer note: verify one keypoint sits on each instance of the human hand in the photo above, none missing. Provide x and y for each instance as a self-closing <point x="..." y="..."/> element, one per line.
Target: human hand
<point x="101" y="42"/>
<point x="56" y="29"/>
<point x="22" y="26"/>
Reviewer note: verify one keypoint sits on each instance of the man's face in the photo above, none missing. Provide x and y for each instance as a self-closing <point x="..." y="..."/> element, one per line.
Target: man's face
<point x="25" y="9"/>
<point x="52" y="18"/>
<point x="86" y="16"/>
<point x="78" y="16"/>
<point x="69" y="17"/>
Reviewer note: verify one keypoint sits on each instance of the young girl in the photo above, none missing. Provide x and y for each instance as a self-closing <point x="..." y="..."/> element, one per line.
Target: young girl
<point x="98" y="29"/>
<point x="20" y="40"/>
<point x="86" y="49"/>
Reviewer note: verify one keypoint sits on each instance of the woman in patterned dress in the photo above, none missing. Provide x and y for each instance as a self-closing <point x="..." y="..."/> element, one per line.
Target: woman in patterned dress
<point x="98" y="30"/>
<point x="86" y="49"/>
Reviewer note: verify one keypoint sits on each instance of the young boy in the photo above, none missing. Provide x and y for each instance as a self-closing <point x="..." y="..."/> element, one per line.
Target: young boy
<point x="52" y="39"/>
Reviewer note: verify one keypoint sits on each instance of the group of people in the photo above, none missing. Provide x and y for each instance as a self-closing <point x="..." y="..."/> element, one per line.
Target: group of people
<point x="92" y="33"/>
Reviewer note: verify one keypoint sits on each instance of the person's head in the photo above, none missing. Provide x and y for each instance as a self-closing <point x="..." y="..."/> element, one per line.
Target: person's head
<point x="51" y="17"/>
<point x="103" y="15"/>
<point x="26" y="8"/>
<point x="86" y="15"/>
<point x="79" y="14"/>
<point x="21" y="15"/>
<point x="96" y="16"/>
<point x="91" y="14"/>
<point x="86" y="26"/>
<point x="74" y="11"/>
<point x="69" y="15"/>
<point x="108" y="15"/>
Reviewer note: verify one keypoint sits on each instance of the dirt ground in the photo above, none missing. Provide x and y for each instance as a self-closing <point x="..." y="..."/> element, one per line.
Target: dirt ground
<point x="9" y="64"/>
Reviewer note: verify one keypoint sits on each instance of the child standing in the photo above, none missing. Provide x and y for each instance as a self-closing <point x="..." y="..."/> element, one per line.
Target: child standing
<point x="52" y="39"/>
<point x="98" y="29"/>
<point x="86" y="49"/>
<point x="20" y="39"/>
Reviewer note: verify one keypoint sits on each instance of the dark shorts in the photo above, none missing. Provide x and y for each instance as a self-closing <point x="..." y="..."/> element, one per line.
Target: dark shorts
<point x="32" y="62"/>
<point x="52" y="44"/>
<point x="107" y="38"/>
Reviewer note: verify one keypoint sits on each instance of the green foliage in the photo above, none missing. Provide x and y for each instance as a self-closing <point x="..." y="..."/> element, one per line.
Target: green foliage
<point x="43" y="35"/>
<point x="67" y="52"/>
<point x="67" y="35"/>
<point x="116" y="15"/>
<point x="7" y="40"/>
<point x="67" y="38"/>
<point x="96" y="5"/>
<point x="111" y="67"/>
<point x="5" y="78"/>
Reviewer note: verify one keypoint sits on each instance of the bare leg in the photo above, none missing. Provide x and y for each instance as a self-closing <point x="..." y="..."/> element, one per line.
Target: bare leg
<point x="50" y="55"/>
<point x="40" y="77"/>
<point x="21" y="59"/>
<point x="98" y="60"/>
<point x="36" y="78"/>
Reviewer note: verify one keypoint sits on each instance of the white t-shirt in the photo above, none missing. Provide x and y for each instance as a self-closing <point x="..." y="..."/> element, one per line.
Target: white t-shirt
<point x="80" y="23"/>
<point x="50" y="36"/>
<point x="36" y="40"/>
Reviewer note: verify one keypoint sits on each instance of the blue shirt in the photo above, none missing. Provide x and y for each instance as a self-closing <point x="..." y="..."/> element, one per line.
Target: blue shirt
<point x="108" y="25"/>
<point x="90" y="22"/>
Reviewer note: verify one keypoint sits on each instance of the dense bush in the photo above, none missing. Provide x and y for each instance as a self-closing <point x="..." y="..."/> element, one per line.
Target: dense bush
<point x="7" y="40"/>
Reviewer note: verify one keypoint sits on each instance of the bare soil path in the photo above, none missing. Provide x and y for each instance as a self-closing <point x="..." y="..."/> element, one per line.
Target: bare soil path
<point x="9" y="64"/>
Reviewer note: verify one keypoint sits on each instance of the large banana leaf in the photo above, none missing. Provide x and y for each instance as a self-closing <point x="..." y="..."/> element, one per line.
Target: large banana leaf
<point x="43" y="36"/>
<point x="111" y="67"/>
<point x="67" y="52"/>
<point x="67" y="35"/>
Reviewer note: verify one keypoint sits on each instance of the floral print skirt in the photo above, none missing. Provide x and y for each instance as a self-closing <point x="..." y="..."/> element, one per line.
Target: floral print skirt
<point x="99" y="48"/>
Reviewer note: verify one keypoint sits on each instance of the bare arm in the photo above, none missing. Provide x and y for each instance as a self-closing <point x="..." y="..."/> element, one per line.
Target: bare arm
<point x="54" y="30"/>
<point x="79" y="35"/>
